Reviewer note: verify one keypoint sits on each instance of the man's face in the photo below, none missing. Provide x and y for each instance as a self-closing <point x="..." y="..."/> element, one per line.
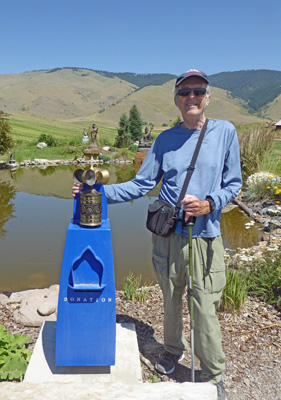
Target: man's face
<point x="192" y="105"/>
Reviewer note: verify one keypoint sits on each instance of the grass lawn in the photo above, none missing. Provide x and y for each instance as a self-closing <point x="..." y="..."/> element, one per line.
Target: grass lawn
<point x="26" y="131"/>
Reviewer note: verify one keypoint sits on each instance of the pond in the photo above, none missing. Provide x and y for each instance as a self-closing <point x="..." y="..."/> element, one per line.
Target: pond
<point x="36" y="208"/>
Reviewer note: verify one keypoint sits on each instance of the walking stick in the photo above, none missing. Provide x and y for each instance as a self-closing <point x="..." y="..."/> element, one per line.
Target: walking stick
<point x="190" y="223"/>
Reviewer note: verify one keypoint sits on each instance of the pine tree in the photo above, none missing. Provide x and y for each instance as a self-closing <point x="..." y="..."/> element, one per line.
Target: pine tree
<point x="135" y="123"/>
<point x="6" y="141"/>
<point x="123" y="138"/>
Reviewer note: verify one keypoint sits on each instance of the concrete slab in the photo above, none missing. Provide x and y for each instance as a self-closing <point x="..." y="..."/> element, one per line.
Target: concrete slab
<point x="107" y="391"/>
<point x="127" y="369"/>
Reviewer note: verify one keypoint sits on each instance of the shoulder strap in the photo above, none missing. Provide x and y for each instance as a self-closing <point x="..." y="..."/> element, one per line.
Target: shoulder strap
<point x="191" y="167"/>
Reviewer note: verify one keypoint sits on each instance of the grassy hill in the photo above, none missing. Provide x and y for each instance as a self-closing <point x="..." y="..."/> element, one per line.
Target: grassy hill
<point x="256" y="87"/>
<point x="156" y="105"/>
<point x="60" y="94"/>
<point x="82" y="95"/>
<point x="272" y="110"/>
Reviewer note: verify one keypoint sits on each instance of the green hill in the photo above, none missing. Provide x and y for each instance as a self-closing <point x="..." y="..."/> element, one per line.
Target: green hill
<point x="79" y="94"/>
<point x="256" y="87"/>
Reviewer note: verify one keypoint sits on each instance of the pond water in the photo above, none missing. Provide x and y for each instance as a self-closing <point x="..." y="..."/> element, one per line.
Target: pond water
<point x="36" y="208"/>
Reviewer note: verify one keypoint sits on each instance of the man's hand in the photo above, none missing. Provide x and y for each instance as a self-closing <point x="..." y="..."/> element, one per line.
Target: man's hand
<point x="195" y="207"/>
<point x="76" y="188"/>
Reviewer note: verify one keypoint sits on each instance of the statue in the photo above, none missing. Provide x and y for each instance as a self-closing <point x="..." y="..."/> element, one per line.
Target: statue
<point x="85" y="138"/>
<point x="145" y="142"/>
<point x="94" y="132"/>
<point x="146" y="136"/>
<point x="92" y="152"/>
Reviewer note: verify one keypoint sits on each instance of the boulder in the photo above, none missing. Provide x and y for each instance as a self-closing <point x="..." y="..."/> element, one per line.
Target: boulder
<point x="41" y="145"/>
<point x="38" y="306"/>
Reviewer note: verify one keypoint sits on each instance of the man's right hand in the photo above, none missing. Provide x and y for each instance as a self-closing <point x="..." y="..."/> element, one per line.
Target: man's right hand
<point x="76" y="188"/>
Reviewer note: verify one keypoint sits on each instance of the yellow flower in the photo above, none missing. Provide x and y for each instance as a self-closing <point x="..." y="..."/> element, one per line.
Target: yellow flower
<point x="277" y="202"/>
<point x="275" y="187"/>
<point x="268" y="187"/>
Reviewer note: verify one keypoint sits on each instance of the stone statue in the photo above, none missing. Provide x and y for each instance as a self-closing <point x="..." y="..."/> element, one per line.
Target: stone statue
<point x="146" y="136"/>
<point x="94" y="132"/>
<point x="145" y="142"/>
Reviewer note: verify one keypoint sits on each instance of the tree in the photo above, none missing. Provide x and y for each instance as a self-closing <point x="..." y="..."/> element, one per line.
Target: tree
<point x="123" y="138"/>
<point x="135" y="123"/>
<point x="176" y="122"/>
<point x="6" y="141"/>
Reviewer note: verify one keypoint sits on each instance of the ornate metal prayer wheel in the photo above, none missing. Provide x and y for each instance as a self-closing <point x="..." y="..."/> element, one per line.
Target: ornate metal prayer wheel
<point x="90" y="208"/>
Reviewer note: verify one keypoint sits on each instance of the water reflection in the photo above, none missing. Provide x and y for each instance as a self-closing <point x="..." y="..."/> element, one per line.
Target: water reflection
<point x="234" y="232"/>
<point x="36" y="210"/>
<point x="7" y="207"/>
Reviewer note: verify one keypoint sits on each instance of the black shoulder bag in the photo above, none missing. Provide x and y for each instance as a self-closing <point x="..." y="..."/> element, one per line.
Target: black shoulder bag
<point x="162" y="216"/>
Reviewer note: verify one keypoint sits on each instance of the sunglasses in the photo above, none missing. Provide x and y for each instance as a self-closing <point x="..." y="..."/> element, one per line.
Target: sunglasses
<point x="196" y="92"/>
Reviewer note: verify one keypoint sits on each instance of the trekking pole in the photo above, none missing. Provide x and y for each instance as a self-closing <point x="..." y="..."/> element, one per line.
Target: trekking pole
<point x="190" y="223"/>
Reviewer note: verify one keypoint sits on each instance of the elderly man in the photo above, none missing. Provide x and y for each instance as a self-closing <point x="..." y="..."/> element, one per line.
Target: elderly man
<point x="215" y="182"/>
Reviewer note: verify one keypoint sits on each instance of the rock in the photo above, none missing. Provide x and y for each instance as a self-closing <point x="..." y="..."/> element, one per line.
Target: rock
<point x="228" y="208"/>
<point x="43" y="299"/>
<point x="47" y="308"/>
<point x="41" y="161"/>
<point x="3" y="297"/>
<point x="41" y="145"/>
<point x="17" y="297"/>
<point x="267" y="227"/>
<point x="262" y="212"/>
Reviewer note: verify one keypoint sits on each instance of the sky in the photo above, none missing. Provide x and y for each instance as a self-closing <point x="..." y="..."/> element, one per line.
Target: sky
<point x="140" y="36"/>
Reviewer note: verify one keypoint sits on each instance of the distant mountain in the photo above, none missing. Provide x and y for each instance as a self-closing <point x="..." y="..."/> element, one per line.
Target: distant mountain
<point x="86" y="94"/>
<point x="140" y="80"/>
<point x="256" y="87"/>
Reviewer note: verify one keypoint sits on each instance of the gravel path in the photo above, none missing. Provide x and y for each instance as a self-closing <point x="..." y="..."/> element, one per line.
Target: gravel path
<point x="251" y="341"/>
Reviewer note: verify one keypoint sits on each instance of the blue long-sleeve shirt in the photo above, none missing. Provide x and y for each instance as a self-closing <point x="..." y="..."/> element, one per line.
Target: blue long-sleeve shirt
<point x="217" y="172"/>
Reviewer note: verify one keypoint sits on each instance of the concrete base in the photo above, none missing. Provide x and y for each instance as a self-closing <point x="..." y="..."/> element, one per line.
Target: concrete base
<point x="107" y="391"/>
<point x="42" y="368"/>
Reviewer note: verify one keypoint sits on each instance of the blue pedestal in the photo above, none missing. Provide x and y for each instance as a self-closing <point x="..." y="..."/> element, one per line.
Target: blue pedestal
<point x="86" y="319"/>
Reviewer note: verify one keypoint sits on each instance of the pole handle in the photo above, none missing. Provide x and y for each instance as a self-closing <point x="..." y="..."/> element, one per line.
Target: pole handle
<point x="191" y="221"/>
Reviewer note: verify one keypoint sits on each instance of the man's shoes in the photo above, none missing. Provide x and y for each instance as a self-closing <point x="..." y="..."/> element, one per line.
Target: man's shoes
<point x="220" y="390"/>
<point x="167" y="363"/>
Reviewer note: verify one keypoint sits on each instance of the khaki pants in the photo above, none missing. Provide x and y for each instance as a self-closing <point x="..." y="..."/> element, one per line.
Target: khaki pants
<point x="171" y="262"/>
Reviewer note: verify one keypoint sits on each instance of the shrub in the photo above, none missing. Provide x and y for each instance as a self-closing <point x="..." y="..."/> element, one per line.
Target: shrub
<point x="254" y="148"/>
<point x="48" y="139"/>
<point x="265" y="278"/>
<point x="75" y="142"/>
<point x="235" y="292"/>
<point x="14" y="356"/>
<point x="133" y="289"/>
<point x="6" y="141"/>
<point x="104" y="157"/>
<point x="263" y="185"/>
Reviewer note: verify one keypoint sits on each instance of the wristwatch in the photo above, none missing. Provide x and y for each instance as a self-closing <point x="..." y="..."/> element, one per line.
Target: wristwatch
<point x="211" y="202"/>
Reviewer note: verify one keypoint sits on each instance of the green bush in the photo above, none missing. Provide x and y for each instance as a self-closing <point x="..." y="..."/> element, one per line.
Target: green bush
<point x="133" y="289"/>
<point x="6" y="141"/>
<point x="48" y="139"/>
<point x="264" y="278"/>
<point x="14" y="356"/>
<point x="133" y="148"/>
<point x="104" y="157"/>
<point x="75" y="142"/>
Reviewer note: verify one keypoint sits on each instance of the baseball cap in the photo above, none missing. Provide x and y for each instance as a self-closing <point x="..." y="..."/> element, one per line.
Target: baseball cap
<point x="190" y="73"/>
